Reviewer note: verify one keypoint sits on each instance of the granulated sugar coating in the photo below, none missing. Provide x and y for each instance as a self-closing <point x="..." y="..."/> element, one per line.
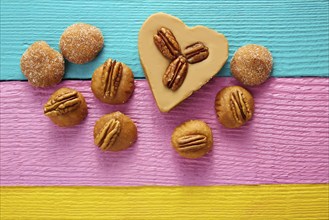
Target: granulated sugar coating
<point x="252" y="64"/>
<point x="80" y="43"/>
<point x="42" y="65"/>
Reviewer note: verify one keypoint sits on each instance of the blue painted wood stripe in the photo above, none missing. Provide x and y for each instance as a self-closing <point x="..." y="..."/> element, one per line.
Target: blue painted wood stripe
<point x="296" y="32"/>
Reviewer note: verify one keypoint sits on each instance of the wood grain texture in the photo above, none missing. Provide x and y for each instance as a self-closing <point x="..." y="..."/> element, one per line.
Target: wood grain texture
<point x="286" y="142"/>
<point x="296" y="32"/>
<point x="273" y="202"/>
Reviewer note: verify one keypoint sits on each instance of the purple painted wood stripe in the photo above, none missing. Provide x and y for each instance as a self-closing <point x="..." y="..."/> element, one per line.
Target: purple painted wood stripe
<point x="286" y="142"/>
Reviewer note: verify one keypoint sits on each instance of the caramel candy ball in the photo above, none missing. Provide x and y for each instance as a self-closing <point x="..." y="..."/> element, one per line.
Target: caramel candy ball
<point x="192" y="139"/>
<point x="252" y="64"/>
<point x="115" y="132"/>
<point x="66" y="107"/>
<point x="234" y="106"/>
<point x="80" y="43"/>
<point x="42" y="65"/>
<point x="113" y="82"/>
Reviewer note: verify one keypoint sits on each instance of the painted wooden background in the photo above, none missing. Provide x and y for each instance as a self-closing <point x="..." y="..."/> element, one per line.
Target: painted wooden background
<point x="296" y="32"/>
<point x="274" y="202"/>
<point x="275" y="167"/>
<point x="286" y="142"/>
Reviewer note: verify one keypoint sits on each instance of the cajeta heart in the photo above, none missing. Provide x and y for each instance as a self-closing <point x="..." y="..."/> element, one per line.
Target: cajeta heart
<point x="178" y="60"/>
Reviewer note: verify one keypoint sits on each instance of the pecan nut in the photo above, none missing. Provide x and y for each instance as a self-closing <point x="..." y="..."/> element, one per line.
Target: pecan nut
<point x="111" y="77"/>
<point x="62" y="104"/>
<point x="167" y="43"/>
<point x="196" y="52"/>
<point x="108" y="135"/>
<point x="175" y="73"/>
<point x="239" y="107"/>
<point x="192" y="142"/>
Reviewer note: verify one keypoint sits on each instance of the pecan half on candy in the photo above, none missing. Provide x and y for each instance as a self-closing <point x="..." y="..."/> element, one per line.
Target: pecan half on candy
<point x="196" y="52"/>
<point x="66" y="107"/>
<point x="175" y="73"/>
<point x="115" y="132"/>
<point x="192" y="139"/>
<point x="112" y="74"/>
<point x="234" y="106"/>
<point x="192" y="142"/>
<point x="113" y="82"/>
<point x="167" y="43"/>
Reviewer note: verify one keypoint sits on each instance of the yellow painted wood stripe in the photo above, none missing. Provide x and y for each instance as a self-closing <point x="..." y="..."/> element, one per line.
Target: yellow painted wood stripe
<point x="212" y="202"/>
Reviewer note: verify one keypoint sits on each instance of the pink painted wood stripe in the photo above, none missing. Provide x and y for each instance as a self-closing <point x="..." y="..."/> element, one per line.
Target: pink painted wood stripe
<point x="286" y="142"/>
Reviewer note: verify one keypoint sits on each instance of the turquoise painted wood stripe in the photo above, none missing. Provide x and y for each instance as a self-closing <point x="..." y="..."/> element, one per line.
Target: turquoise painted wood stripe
<point x="295" y="31"/>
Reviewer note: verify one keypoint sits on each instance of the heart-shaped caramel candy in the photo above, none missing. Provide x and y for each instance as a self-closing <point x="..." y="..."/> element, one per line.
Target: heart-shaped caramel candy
<point x="178" y="60"/>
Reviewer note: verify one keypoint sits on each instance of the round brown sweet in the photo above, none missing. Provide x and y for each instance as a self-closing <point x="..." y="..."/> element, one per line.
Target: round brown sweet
<point x="115" y="132"/>
<point x="66" y="107"/>
<point x="113" y="82"/>
<point x="42" y="65"/>
<point x="234" y="106"/>
<point x="80" y="43"/>
<point x="192" y="139"/>
<point x="252" y="64"/>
